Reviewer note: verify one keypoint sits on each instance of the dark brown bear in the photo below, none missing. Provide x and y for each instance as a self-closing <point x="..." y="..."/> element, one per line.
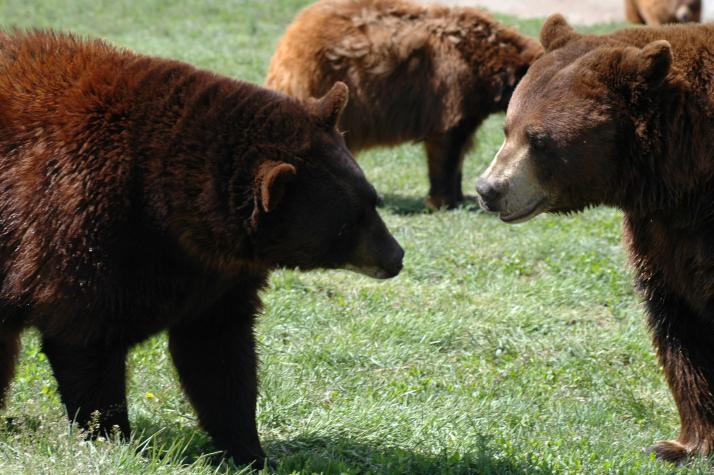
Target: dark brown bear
<point x="139" y="194"/>
<point x="416" y="72"/>
<point x="627" y="120"/>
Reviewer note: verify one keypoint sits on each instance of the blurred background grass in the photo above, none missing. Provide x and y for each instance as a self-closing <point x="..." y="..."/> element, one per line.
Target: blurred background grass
<point x="500" y="349"/>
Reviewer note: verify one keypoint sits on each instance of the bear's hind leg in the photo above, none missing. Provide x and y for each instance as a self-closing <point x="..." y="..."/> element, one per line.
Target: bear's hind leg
<point x="685" y="347"/>
<point x="445" y="157"/>
<point x="92" y="383"/>
<point x="216" y="361"/>
<point x="9" y="349"/>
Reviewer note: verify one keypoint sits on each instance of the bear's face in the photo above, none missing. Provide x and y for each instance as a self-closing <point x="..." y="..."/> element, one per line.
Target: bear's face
<point x="563" y="150"/>
<point x="688" y="10"/>
<point x="320" y="211"/>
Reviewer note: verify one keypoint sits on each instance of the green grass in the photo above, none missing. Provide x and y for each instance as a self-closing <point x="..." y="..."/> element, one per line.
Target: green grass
<point x="499" y="349"/>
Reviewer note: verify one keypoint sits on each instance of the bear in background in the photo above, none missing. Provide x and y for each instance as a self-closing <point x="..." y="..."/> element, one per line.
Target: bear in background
<point x="625" y="120"/>
<point x="658" y="12"/>
<point x="422" y="73"/>
<point x="140" y="194"/>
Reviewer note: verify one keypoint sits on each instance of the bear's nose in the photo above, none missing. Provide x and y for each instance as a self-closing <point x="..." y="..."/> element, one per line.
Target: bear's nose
<point x="395" y="263"/>
<point x="487" y="191"/>
<point x="684" y="14"/>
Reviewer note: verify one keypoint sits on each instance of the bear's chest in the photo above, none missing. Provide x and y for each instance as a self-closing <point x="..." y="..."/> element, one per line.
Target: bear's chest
<point x="672" y="259"/>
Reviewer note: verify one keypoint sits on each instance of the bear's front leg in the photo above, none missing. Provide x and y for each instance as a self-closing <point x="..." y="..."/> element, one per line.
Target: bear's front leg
<point x="9" y="348"/>
<point x="445" y="157"/>
<point x="685" y="347"/>
<point x="92" y="383"/>
<point x="216" y="361"/>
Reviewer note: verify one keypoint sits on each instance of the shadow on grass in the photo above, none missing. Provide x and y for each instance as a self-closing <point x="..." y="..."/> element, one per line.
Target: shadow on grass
<point x="184" y="444"/>
<point x="338" y="455"/>
<point x="411" y="205"/>
<point x="403" y="205"/>
<point x="177" y="443"/>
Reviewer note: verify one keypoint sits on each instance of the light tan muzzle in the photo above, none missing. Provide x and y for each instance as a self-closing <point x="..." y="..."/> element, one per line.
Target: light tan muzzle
<point x="509" y="186"/>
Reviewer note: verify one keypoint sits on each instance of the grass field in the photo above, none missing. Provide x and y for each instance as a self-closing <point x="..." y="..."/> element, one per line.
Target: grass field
<point x="499" y="349"/>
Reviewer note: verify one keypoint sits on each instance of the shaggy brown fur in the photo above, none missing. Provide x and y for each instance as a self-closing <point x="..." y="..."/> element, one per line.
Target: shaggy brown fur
<point x="421" y="73"/>
<point x="627" y="120"/>
<point x="139" y="194"/>
<point x="659" y="12"/>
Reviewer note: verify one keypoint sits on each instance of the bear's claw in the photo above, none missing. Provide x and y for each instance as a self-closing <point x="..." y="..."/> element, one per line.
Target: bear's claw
<point x="670" y="451"/>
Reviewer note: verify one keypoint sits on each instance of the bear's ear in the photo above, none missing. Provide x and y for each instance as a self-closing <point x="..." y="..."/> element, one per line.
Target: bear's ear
<point x="272" y="177"/>
<point x="655" y="61"/>
<point x="330" y="106"/>
<point x="556" y="33"/>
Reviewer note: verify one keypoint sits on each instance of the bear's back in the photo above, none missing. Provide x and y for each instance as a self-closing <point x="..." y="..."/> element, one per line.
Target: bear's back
<point x="440" y="64"/>
<point x="343" y="39"/>
<point x="692" y="52"/>
<point x="40" y="68"/>
<point x="79" y="120"/>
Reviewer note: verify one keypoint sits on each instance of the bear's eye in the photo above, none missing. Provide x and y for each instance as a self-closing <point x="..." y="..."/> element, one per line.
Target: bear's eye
<point x="538" y="140"/>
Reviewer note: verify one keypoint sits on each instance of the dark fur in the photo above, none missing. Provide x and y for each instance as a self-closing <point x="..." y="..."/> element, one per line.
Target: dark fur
<point x="628" y="122"/>
<point x="416" y="73"/>
<point x="139" y="194"/>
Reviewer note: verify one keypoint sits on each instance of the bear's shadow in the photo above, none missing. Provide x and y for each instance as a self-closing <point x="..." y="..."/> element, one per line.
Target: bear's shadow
<point x="411" y="205"/>
<point x="330" y="454"/>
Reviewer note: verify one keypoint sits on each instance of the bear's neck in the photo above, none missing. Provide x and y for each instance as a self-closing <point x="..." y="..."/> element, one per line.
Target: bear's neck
<point x="502" y="57"/>
<point x="669" y="173"/>
<point x="198" y="140"/>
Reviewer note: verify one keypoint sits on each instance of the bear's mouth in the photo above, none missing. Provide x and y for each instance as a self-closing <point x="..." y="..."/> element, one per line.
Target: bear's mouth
<point x="524" y="214"/>
<point x="370" y="271"/>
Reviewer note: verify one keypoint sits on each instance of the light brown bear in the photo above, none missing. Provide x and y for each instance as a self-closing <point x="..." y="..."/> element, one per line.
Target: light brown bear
<point x="627" y="120"/>
<point x="415" y="73"/>
<point x="659" y="12"/>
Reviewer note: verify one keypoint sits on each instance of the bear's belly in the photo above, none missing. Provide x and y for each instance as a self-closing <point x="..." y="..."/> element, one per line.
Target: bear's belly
<point x="128" y="317"/>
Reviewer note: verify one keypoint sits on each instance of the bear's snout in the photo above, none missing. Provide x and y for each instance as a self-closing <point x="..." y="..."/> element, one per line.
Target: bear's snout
<point x="393" y="264"/>
<point x="489" y="194"/>
<point x="377" y="253"/>
<point x="388" y="258"/>
<point x="510" y="185"/>
<point x="684" y="14"/>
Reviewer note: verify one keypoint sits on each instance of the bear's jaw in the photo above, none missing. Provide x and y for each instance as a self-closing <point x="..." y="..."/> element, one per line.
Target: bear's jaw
<point x="370" y="271"/>
<point x="528" y="212"/>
